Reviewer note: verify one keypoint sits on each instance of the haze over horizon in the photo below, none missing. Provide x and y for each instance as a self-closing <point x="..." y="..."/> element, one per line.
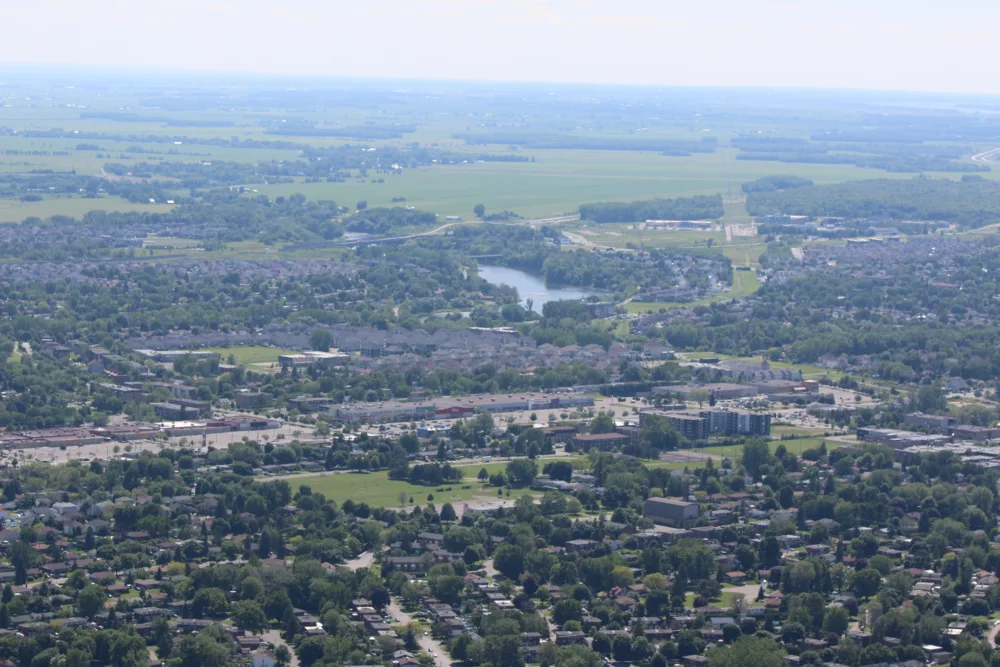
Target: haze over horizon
<point x="889" y="45"/>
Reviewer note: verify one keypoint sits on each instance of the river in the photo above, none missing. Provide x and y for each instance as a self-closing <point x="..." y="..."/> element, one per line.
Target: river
<point x="532" y="287"/>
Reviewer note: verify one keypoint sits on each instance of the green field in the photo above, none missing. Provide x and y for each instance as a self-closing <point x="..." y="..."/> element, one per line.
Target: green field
<point x="254" y="354"/>
<point x="12" y="210"/>
<point x="735" y="452"/>
<point x="779" y="430"/>
<point x="376" y="489"/>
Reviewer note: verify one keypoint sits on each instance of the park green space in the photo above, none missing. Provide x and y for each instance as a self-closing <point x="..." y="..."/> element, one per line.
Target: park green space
<point x="251" y="354"/>
<point x="376" y="489"/>
<point x="734" y="452"/>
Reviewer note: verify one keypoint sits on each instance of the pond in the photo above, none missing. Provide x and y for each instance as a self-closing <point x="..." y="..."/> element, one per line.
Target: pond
<point x="532" y="287"/>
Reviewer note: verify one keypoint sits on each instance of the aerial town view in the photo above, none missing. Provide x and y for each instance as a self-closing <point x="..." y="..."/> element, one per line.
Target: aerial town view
<point x="495" y="334"/>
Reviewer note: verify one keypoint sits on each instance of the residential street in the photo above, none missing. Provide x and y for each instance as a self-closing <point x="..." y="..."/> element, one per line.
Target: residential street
<point x="433" y="647"/>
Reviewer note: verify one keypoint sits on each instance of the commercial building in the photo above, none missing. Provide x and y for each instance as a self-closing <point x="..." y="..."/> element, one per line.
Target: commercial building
<point x="670" y="511"/>
<point x="454" y="408"/>
<point x="900" y="439"/>
<point x="312" y="358"/>
<point x="933" y="422"/>
<point x="975" y="433"/>
<point x="721" y="390"/>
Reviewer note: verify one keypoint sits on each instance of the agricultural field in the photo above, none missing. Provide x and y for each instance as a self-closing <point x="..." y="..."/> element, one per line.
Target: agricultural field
<point x="12" y="210"/>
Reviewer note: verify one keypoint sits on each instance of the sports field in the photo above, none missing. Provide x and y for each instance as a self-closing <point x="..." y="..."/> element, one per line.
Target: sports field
<point x="251" y="354"/>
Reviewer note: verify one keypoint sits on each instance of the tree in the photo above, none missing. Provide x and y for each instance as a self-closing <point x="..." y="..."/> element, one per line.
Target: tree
<point x="836" y="620"/>
<point x="479" y="210"/>
<point x="578" y="655"/>
<point x="567" y="610"/>
<point x="756" y="453"/>
<point x="602" y="423"/>
<point x="90" y="600"/>
<point x="867" y="582"/>
<point x="502" y="651"/>
<point x="362" y="205"/>
<point x="209" y="602"/>
<point x="748" y="652"/>
<point x="484" y="475"/>
<point x="448" y="512"/>
<point x="249" y="615"/>
<point x="320" y="340"/>
<point x="509" y="561"/>
<point x="521" y="473"/>
<point x="659" y="433"/>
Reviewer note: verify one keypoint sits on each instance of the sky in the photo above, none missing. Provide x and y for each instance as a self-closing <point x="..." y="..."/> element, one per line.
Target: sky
<point x="919" y="45"/>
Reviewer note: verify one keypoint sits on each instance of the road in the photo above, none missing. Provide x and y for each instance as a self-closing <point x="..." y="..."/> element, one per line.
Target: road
<point x="489" y="569"/>
<point x="992" y="636"/>
<point x="274" y="638"/>
<point x="362" y="561"/>
<point x="433" y="647"/>
<point x="987" y="157"/>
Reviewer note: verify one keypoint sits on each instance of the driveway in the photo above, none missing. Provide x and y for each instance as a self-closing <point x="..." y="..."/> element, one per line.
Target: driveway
<point x="489" y="569"/>
<point x="434" y="648"/>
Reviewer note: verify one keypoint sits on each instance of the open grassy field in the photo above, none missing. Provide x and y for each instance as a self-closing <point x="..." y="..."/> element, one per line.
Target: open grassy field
<point x="561" y="180"/>
<point x="734" y="452"/>
<point x="253" y="354"/>
<point x="378" y="490"/>
<point x="778" y="430"/>
<point x="13" y="210"/>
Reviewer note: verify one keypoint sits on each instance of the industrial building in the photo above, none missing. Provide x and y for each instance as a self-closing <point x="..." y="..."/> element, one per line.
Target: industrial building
<point x="670" y="511"/>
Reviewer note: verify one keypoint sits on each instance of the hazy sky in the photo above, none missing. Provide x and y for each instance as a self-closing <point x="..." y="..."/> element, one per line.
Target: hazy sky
<point x="889" y="44"/>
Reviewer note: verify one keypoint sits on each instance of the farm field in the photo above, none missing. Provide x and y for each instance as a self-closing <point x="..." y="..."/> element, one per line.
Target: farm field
<point x="558" y="182"/>
<point x="12" y="210"/>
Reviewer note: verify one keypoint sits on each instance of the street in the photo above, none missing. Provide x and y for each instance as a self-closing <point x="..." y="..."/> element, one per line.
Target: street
<point x="434" y="648"/>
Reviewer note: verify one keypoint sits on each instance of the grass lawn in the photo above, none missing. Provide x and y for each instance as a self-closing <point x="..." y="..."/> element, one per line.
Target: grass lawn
<point x="798" y="431"/>
<point x="745" y="283"/>
<point x="253" y="354"/>
<point x="472" y="470"/>
<point x="378" y="490"/>
<point x="735" y="452"/>
<point x="726" y="600"/>
<point x="12" y="210"/>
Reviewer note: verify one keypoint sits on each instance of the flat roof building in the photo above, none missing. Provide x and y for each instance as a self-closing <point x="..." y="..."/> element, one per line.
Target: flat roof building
<point x="670" y="511"/>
